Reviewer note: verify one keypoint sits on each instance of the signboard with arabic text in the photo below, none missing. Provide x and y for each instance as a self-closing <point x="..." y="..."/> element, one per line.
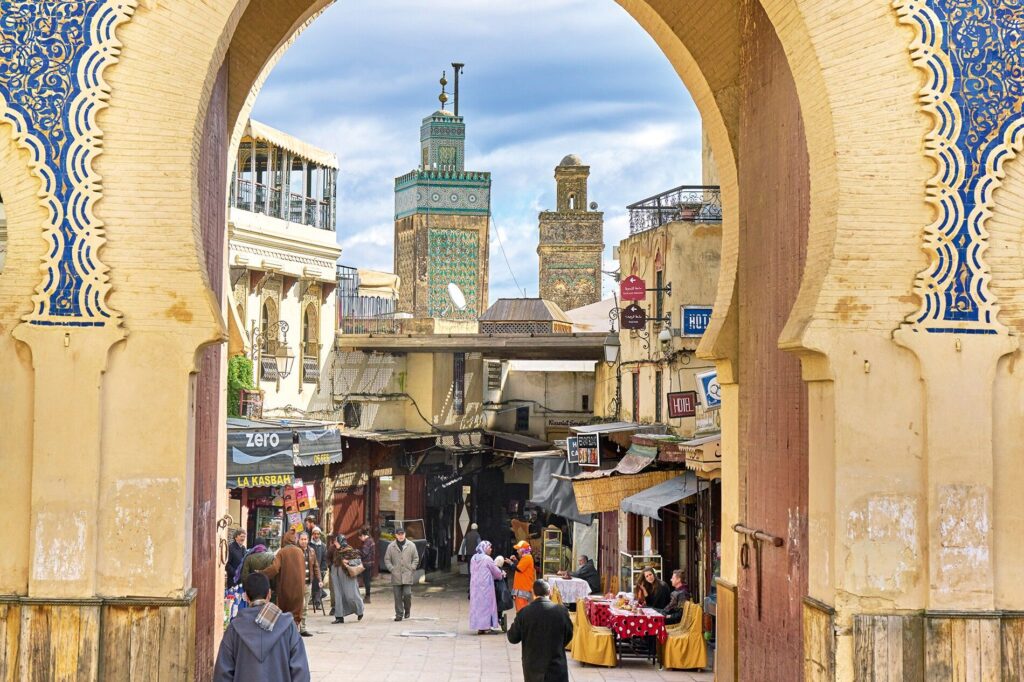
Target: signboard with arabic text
<point x="633" y="317"/>
<point x="633" y="289"/>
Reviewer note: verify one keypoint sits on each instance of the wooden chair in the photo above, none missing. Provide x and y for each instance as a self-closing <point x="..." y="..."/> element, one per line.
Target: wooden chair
<point x="685" y="648"/>
<point x="591" y="644"/>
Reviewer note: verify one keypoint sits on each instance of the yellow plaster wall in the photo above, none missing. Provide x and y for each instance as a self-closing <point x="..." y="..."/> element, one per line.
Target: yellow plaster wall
<point x="17" y="283"/>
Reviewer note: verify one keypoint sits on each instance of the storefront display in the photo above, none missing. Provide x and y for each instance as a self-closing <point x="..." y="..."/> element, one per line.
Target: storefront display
<point x="631" y="566"/>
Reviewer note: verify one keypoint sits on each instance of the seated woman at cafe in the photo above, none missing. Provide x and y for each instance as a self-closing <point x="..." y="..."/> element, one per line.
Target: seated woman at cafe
<point x="650" y="591"/>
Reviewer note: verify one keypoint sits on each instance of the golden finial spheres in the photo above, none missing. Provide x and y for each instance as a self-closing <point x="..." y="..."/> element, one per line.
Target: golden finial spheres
<point x="443" y="97"/>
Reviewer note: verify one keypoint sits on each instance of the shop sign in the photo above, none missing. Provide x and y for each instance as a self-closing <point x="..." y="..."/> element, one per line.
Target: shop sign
<point x="588" y="446"/>
<point x="696" y="319"/>
<point x="682" y="404"/>
<point x="633" y="317"/>
<point x="260" y="480"/>
<point x="567" y="422"/>
<point x="633" y="289"/>
<point x="710" y="390"/>
<point x="572" y="449"/>
<point x="259" y="458"/>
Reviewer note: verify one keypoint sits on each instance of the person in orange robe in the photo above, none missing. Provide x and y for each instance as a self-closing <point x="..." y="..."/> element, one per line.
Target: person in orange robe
<point x="526" y="574"/>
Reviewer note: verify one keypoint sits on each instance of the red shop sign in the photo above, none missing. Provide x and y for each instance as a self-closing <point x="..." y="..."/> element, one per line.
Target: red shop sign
<point x="682" y="404"/>
<point x="633" y="289"/>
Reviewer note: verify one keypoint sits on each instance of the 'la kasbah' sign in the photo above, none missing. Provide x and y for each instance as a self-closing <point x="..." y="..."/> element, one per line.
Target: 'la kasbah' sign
<point x="263" y="480"/>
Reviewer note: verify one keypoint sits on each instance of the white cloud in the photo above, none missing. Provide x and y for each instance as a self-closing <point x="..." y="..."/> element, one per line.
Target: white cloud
<point x="544" y="78"/>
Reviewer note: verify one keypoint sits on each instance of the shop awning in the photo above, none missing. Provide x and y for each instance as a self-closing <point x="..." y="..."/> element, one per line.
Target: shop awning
<point x="704" y="455"/>
<point x="634" y="461"/>
<point x="648" y="502"/>
<point x="319" y="446"/>
<point x="556" y="495"/>
<point x="259" y="457"/>
<point x="605" y="494"/>
<point x="265" y="452"/>
<point x="610" y="427"/>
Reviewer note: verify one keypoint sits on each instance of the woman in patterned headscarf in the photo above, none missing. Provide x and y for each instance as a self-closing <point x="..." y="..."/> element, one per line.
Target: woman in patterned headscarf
<point x="483" y="609"/>
<point x="526" y="574"/>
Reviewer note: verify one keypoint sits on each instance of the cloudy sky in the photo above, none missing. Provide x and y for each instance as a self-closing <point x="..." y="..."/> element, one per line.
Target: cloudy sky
<point x="543" y="78"/>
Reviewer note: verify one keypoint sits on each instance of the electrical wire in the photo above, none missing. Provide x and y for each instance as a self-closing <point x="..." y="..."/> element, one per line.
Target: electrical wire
<point x="497" y="234"/>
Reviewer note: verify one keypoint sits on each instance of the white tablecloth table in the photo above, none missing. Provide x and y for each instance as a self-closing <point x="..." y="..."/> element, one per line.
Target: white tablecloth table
<point x="571" y="589"/>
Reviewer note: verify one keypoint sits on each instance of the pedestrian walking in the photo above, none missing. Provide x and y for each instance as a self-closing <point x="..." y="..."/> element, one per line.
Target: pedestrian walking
<point x="525" y="575"/>
<point x="401" y="559"/>
<point x="316" y="542"/>
<point x="471" y="542"/>
<point x="236" y="554"/>
<point x="483" y="605"/>
<point x="346" y="566"/>
<point x="544" y="628"/>
<point x="312" y="579"/>
<point x="368" y="553"/>
<point x="256" y="559"/>
<point x="262" y="643"/>
<point x="289" y="566"/>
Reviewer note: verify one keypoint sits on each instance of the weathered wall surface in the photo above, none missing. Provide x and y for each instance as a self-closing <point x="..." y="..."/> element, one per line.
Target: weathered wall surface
<point x="772" y="396"/>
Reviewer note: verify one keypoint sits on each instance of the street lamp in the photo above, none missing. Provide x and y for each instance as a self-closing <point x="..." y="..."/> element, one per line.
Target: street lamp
<point x="611" y="348"/>
<point x="665" y="336"/>
<point x="268" y="337"/>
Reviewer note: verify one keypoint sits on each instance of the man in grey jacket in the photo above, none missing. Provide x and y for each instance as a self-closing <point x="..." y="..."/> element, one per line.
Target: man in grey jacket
<point x="262" y="643"/>
<point x="401" y="559"/>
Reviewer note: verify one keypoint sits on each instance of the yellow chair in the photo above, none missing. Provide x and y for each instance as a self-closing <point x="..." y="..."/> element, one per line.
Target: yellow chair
<point x="685" y="648"/>
<point x="556" y="596"/>
<point x="575" y="629"/>
<point x="592" y="644"/>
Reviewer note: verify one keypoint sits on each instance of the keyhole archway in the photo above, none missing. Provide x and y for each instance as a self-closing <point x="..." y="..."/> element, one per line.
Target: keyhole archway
<point x="846" y="273"/>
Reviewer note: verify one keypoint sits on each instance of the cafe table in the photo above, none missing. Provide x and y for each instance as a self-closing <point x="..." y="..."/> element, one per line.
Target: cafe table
<point x="571" y="589"/>
<point x="630" y="627"/>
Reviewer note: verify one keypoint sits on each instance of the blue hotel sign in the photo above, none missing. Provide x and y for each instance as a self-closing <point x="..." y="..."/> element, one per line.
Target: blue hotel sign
<point x="695" y="319"/>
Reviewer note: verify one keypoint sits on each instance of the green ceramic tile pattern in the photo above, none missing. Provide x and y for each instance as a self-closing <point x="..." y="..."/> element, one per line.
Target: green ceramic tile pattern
<point x="454" y="257"/>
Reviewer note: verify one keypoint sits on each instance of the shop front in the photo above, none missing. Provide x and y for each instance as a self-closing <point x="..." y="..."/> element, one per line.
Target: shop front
<point x="275" y="473"/>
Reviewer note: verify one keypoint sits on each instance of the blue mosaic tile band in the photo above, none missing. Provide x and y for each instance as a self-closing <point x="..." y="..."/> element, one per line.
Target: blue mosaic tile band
<point x="52" y="57"/>
<point x="973" y="54"/>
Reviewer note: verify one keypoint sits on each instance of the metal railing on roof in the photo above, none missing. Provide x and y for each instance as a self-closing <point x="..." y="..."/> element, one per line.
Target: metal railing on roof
<point x="358" y="314"/>
<point x="686" y="203"/>
<point x="259" y="198"/>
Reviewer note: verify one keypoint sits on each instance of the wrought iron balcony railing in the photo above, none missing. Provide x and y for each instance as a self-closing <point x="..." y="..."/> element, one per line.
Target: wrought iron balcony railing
<point x="259" y="198"/>
<point x="687" y="203"/>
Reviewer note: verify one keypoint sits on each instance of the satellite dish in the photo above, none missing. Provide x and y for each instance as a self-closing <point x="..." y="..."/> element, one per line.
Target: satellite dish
<point x="593" y="205"/>
<point x="458" y="298"/>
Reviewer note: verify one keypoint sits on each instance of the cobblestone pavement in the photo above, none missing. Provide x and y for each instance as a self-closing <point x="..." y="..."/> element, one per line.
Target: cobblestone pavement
<point x="375" y="650"/>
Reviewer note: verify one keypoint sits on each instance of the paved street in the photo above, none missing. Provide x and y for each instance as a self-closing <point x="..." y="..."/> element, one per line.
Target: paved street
<point x="374" y="649"/>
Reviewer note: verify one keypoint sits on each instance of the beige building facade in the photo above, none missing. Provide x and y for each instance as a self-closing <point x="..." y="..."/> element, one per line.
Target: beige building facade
<point x="865" y="331"/>
<point x="282" y="255"/>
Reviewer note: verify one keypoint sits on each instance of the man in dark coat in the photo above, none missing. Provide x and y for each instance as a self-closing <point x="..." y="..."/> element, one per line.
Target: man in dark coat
<point x="236" y="553"/>
<point x="261" y="644"/>
<point x="545" y="630"/>
<point x="587" y="572"/>
<point x="368" y="555"/>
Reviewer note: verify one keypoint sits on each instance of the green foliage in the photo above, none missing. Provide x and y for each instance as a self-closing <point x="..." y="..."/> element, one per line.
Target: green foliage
<point x="239" y="377"/>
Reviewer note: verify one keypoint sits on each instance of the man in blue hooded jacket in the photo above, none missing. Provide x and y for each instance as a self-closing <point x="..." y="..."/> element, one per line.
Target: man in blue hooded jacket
<point x="262" y="643"/>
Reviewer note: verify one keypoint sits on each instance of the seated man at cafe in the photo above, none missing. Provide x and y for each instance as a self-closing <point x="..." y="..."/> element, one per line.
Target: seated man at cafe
<point x="680" y="595"/>
<point x="587" y="572"/>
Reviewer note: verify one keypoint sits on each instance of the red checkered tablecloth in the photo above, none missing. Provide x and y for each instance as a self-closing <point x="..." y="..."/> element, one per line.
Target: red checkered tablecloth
<point x="626" y="624"/>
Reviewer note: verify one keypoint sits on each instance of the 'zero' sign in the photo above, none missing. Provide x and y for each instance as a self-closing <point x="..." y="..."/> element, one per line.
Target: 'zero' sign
<point x="262" y="440"/>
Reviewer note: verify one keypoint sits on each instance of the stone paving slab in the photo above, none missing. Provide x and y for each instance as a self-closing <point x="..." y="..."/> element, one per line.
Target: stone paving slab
<point x="375" y="650"/>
